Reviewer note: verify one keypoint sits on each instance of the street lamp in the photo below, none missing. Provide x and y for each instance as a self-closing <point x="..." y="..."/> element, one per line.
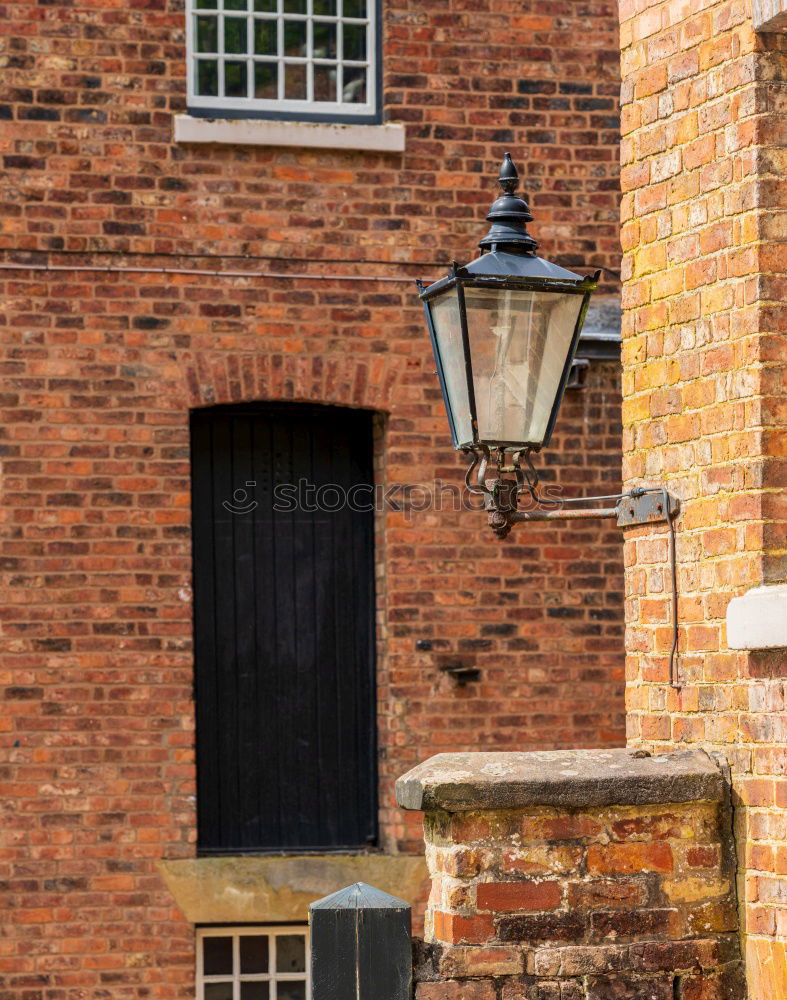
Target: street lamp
<point x="504" y="332"/>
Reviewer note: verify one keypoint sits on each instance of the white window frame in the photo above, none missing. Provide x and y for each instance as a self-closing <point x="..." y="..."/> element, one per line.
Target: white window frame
<point x="283" y="108"/>
<point x="272" y="977"/>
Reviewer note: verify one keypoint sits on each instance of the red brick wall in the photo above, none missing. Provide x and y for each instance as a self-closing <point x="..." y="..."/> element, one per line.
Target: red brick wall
<point x="99" y="371"/>
<point x="705" y="366"/>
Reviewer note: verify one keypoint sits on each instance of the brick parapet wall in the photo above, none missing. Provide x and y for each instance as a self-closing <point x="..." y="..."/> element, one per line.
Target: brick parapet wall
<point x="565" y="902"/>
<point x="703" y="153"/>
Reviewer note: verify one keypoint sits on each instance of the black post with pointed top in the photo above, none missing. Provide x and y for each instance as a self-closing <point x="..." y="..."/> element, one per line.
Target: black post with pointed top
<point x="360" y="946"/>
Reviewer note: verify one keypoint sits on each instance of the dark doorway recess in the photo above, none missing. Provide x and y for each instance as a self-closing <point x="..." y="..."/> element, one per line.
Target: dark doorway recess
<point x="283" y="628"/>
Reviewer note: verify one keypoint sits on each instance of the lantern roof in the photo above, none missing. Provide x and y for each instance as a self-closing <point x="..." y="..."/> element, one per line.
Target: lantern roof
<point x="500" y="263"/>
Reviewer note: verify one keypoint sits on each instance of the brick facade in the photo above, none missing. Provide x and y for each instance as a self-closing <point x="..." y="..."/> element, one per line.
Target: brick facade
<point x="703" y="152"/>
<point x="100" y="368"/>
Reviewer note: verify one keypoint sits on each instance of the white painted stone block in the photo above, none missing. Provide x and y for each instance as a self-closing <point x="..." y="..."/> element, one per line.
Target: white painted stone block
<point x="770" y="15"/>
<point x="758" y="619"/>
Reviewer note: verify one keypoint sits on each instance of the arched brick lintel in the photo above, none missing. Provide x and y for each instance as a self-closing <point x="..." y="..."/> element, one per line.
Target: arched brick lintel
<point x="366" y="381"/>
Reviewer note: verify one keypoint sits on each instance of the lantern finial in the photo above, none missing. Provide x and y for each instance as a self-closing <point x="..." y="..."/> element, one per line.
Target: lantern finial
<point x="509" y="216"/>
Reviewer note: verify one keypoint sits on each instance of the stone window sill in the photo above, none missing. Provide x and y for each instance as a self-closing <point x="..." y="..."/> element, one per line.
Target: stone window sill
<point x="388" y="138"/>
<point x="279" y="888"/>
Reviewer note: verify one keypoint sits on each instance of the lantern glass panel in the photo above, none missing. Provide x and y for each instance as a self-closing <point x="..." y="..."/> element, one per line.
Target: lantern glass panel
<point x="519" y="343"/>
<point x="447" y="325"/>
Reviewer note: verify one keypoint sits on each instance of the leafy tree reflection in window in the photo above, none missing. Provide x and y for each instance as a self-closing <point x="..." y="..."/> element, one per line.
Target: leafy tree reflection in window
<point x="304" y="60"/>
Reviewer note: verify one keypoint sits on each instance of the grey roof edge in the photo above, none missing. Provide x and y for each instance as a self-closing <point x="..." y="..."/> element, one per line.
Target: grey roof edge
<point x="568" y="779"/>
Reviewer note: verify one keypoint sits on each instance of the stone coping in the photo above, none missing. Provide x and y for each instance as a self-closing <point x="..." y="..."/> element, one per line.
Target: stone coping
<point x="279" y="888"/>
<point x="458" y="782"/>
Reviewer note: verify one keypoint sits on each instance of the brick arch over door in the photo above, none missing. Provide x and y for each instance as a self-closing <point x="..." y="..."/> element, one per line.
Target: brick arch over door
<point x="367" y="382"/>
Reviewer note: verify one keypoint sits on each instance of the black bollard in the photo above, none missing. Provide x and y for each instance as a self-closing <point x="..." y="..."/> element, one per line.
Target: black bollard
<point x="360" y="946"/>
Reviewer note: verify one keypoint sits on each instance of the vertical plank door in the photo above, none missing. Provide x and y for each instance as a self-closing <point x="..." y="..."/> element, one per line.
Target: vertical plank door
<point x="283" y="627"/>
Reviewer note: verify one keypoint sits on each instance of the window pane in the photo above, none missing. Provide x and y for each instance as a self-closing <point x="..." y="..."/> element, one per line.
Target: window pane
<point x="290" y="953"/>
<point x="291" y="991"/>
<point x="217" y="956"/>
<point x="206" y="4"/>
<point x="207" y="34"/>
<point x="267" y="6"/>
<point x="354" y="90"/>
<point x="519" y="342"/>
<point x="253" y="953"/>
<point x="255" y="991"/>
<point x="354" y="8"/>
<point x="325" y="7"/>
<point x="295" y="83"/>
<point x="235" y="4"/>
<point x="324" y="40"/>
<point x="207" y="78"/>
<point x="294" y="6"/>
<point x="235" y="34"/>
<point x="265" y="37"/>
<point x="235" y="79"/>
<point x="218" y="991"/>
<point x="295" y="38"/>
<point x="324" y="83"/>
<point x="355" y="41"/>
<point x="266" y="81"/>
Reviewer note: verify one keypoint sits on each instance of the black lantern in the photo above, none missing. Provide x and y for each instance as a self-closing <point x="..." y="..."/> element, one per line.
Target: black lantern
<point x="504" y="332"/>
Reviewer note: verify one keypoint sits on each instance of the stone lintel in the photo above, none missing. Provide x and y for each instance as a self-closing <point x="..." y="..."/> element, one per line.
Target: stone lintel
<point x="770" y="15"/>
<point x="279" y="888"/>
<point x="460" y="782"/>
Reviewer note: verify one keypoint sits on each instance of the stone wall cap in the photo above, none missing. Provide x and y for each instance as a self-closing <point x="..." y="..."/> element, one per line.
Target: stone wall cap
<point x="459" y="782"/>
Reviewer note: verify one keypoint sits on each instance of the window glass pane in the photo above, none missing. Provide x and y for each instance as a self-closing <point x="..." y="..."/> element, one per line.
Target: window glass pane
<point x="295" y="38"/>
<point x="217" y="956"/>
<point x="207" y="78"/>
<point x="253" y="953"/>
<point x="324" y="83"/>
<point x="354" y="89"/>
<point x="294" y="6"/>
<point x="207" y="34"/>
<point x="291" y="991"/>
<point x="295" y="83"/>
<point x="354" y="8"/>
<point x="255" y="991"/>
<point x="206" y="4"/>
<point x="290" y="953"/>
<point x="266" y="6"/>
<point x="235" y="4"/>
<point x="444" y="310"/>
<point x="235" y="79"/>
<point x="218" y="991"/>
<point x="265" y="37"/>
<point x="324" y="40"/>
<point x="266" y="81"/>
<point x="519" y="341"/>
<point x="235" y="34"/>
<point x="325" y="7"/>
<point x="355" y="41"/>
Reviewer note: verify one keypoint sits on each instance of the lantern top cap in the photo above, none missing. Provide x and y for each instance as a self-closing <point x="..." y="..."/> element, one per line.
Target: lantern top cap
<point x="509" y="216"/>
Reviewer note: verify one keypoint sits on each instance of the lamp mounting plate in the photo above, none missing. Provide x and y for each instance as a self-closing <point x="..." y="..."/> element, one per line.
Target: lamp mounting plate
<point x="649" y="508"/>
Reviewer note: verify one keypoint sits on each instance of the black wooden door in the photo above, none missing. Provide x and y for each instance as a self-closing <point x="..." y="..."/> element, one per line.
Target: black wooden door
<point x="283" y="628"/>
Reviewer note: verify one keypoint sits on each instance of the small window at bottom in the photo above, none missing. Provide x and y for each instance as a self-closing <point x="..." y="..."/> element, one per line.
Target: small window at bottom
<point x="253" y="963"/>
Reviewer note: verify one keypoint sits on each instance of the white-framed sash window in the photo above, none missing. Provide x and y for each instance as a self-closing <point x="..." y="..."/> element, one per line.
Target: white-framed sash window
<point x="253" y="963"/>
<point x="294" y="59"/>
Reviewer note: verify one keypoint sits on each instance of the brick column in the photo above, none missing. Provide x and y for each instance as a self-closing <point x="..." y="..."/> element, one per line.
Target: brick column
<point x="581" y="875"/>
<point x="704" y="219"/>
